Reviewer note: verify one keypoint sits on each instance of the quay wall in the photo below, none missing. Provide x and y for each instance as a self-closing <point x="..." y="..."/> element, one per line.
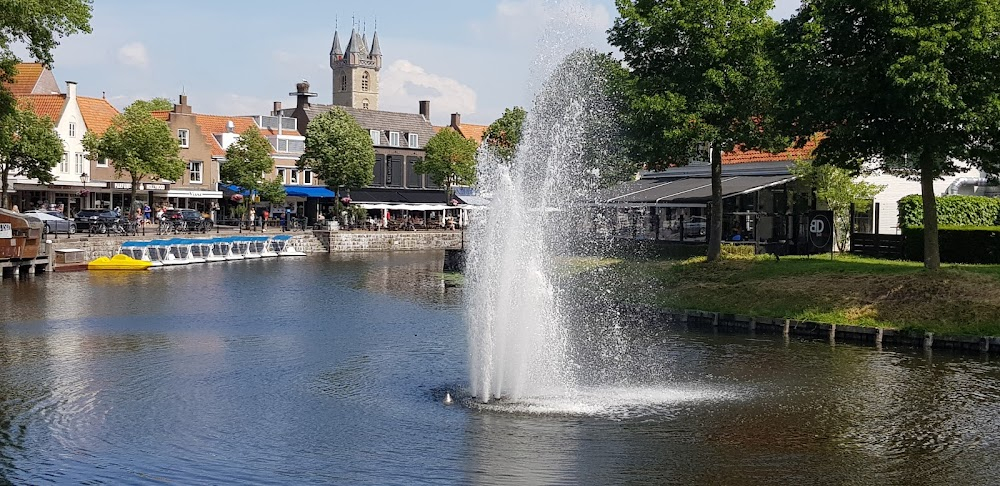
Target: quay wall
<point x="98" y="246"/>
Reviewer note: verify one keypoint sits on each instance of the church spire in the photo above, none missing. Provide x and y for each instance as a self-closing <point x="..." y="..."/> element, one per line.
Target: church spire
<point x="336" y="53"/>
<point x="376" y="50"/>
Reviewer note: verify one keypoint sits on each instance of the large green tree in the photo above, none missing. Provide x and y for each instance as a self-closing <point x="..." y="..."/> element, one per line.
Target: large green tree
<point x="29" y="146"/>
<point x="139" y="145"/>
<point x="248" y="165"/>
<point x="339" y="151"/>
<point x="450" y="160"/>
<point x="906" y="86"/>
<point x="504" y="134"/>
<point x="702" y="76"/>
<point x="36" y="24"/>
<point x="838" y="189"/>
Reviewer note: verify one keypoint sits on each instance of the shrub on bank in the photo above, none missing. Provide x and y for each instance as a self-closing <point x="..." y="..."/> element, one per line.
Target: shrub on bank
<point x="952" y="211"/>
<point x="958" y="244"/>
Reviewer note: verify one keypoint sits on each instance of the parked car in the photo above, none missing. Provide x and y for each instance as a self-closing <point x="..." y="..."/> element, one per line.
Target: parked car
<point x="192" y="219"/>
<point x="54" y="222"/>
<point x="695" y="226"/>
<point x="86" y="217"/>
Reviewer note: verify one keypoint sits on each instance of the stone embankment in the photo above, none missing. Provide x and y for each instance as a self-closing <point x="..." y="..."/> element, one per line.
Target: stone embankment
<point x="834" y="333"/>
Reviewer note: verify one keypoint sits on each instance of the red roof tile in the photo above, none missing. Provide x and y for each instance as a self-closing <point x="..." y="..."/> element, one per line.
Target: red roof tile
<point x="791" y="154"/>
<point x="46" y="106"/>
<point x="473" y="132"/>
<point x="213" y="124"/>
<point x="97" y="113"/>
<point x="26" y="78"/>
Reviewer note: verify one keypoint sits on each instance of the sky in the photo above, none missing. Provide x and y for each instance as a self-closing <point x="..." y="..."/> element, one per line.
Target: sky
<point x="236" y="58"/>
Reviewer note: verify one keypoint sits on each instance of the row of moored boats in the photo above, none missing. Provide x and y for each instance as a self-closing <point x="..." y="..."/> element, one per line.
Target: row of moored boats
<point x="184" y="251"/>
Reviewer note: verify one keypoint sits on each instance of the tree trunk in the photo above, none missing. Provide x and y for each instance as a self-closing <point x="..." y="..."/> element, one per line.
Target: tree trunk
<point x="131" y="205"/>
<point x="4" y="198"/>
<point x="715" y="223"/>
<point x="932" y="253"/>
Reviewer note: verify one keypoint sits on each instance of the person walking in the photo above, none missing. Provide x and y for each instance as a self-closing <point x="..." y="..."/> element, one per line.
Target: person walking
<point x="147" y="212"/>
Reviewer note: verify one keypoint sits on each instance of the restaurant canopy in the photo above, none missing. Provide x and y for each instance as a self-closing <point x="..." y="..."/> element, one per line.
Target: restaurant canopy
<point x="310" y="191"/>
<point x="685" y="191"/>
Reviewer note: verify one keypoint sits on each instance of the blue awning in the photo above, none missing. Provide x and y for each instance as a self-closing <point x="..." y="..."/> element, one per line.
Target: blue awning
<point x="232" y="189"/>
<point x="309" y="191"/>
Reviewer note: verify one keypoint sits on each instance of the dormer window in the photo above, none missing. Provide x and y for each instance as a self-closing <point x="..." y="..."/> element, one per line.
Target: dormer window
<point x="183" y="136"/>
<point x="394" y="139"/>
<point x="365" y="78"/>
<point x="376" y="137"/>
<point x="413" y="140"/>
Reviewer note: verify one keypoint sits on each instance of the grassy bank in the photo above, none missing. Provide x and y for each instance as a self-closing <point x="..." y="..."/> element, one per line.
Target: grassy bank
<point x="958" y="300"/>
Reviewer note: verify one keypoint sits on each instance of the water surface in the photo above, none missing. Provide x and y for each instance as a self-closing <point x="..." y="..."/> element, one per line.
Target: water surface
<point x="331" y="370"/>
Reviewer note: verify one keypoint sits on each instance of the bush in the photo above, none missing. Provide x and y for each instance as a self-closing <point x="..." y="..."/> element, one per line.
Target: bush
<point x="958" y="244"/>
<point x="738" y="252"/>
<point x="952" y="211"/>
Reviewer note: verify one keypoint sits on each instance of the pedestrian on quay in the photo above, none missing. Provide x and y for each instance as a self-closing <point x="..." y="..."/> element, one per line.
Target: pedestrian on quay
<point x="263" y="221"/>
<point x="147" y="212"/>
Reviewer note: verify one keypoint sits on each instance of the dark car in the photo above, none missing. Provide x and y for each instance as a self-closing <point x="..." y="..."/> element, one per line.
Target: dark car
<point x="54" y="221"/>
<point x="87" y="217"/>
<point x="193" y="220"/>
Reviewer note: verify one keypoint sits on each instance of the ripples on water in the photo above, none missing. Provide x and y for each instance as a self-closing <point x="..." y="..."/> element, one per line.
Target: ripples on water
<point x="332" y="370"/>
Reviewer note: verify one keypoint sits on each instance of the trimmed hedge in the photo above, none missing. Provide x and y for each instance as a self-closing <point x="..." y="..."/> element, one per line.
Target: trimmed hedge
<point x="963" y="211"/>
<point x="958" y="244"/>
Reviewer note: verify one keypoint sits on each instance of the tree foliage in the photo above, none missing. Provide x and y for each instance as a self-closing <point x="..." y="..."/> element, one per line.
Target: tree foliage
<point x="29" y="146"/>
<point x="701" y="74"/>
<point x="155" y="104"/>
<point x="339" y="151"/>
<point x="906" y="85"/>
<point x="248" y="161"/>
<point x="838" y="190"/>
<point x="139" y="145"/>
<point x="504" y="134"/>
<point x="450" y="159"/>
<point x="36" y="24"/>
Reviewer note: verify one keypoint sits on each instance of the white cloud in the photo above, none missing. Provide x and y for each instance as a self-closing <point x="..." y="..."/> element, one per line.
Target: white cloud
<point x="528" y="21"/>
<point x="403" y="84"/>
<point x="233" y="104"/>
<point x="133" y="54"/>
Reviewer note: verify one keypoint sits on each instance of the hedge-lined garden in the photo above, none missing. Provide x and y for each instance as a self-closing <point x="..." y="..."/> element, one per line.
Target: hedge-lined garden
<point x="952" y="211"/>
<point x="968" y="232"/>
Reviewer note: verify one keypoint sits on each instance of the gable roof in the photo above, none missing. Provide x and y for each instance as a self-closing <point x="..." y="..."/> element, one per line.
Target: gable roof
<point x="383" y="121"/>
<point x="97" y="113"/>
<point x="46" y="106"/>
<point x="212" y="125"/>
<point x="32" y="78"/>
<point x="790" y="154"/>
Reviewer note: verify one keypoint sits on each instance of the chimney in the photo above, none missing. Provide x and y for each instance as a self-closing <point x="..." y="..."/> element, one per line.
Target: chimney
<point x="277" y="108"/>
<point x="70" y="89"/>
<point x="425" y="109"/>
<point x="302" y="95"/>
<point x="182" y="105"/>
<point x="456" y="121"/>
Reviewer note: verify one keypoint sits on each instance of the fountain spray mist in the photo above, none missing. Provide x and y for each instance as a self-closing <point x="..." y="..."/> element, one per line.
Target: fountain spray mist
<point x="519" y="330"/>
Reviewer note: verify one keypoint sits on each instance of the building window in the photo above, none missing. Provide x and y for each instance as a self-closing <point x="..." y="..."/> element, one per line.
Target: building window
<point x="195" y="168"/>
<point x="102" y="162"/>
<point x="365" y="78"/>
<point x="364" y="104"/>
<point x="343" y="83"/>
<point x="376" y="137"/>
<point x="78" y="164"/>
<point x="281" y="175"/>
<point x="307" y="177"/>
<point x="295" y="177"/>
<point x="182" y="134"/>
<point x="394" y="139"/>
<point x="64" y="163"/>
<point x="414" y="140"/>
<point x="72" y="129"/>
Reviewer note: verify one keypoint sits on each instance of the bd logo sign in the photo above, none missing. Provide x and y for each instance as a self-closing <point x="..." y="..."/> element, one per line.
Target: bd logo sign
<point x="820" y="227"/>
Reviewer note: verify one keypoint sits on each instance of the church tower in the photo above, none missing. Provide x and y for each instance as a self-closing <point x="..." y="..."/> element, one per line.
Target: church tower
<point x="355" y="71"/>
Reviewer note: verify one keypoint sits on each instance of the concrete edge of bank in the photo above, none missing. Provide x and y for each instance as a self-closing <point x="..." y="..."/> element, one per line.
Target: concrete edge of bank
<point x="834" y="333"/>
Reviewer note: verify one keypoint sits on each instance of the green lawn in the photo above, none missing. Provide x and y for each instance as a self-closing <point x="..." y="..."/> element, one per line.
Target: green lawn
<point x="960" y="299"/>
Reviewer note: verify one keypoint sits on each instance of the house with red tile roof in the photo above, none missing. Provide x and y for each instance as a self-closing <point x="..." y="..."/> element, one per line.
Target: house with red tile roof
<point x="467" y="130"/>
<point x="79" y="183"/>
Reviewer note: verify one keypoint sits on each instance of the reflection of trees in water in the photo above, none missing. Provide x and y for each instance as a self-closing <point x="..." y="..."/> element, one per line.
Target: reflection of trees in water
<point x="412" y="276"/>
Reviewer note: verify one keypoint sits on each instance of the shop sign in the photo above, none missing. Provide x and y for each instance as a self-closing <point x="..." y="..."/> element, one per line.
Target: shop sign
<point x="155" y="187"/>
<point x="6" y="230"/>
<point x="119" y="185"/>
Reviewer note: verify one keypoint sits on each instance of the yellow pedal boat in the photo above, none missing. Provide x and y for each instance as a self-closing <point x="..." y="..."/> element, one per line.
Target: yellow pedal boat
<point x="118" y="262"/>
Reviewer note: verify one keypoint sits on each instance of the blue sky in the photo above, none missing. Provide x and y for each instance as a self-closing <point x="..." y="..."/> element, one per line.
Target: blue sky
<point x="236" y="58"/>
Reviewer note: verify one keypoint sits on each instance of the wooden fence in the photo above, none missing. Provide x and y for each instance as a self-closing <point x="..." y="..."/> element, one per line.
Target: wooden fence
<point x="878" y="246"/>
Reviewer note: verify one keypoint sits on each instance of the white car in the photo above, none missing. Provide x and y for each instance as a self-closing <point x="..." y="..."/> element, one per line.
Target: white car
<point x="53" y="223"/>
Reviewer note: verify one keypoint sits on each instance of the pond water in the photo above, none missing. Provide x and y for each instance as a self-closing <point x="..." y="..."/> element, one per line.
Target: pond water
<point x="332" y="370"/>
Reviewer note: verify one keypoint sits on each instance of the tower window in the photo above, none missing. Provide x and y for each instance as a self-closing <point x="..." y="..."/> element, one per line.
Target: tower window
<point x="364" y="103"/>
<point x="365" y="78"/>
<point x="343" y="83"/>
